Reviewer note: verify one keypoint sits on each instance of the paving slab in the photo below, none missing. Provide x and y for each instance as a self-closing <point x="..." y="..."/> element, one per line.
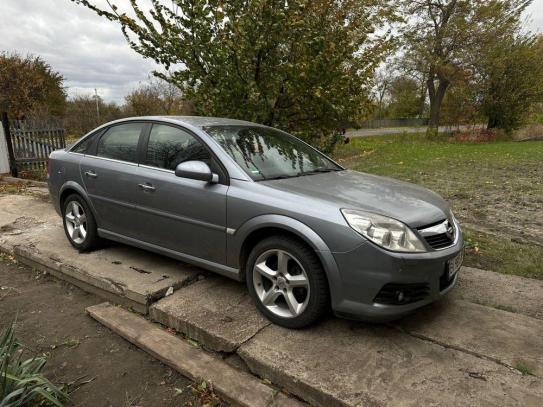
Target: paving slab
<point x="215" y="311"/>
<point x="234" y="385"/>
<point x="513" y="293"/>
<point x="119" y="273"/>
<point x="505" y="337"/>
<point x="342" y="363"/>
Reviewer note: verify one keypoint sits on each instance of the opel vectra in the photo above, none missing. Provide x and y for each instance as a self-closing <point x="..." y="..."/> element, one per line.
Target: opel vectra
<point x="256" y="204"/>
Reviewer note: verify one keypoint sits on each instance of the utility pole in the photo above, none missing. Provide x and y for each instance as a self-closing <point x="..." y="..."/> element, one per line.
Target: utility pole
<point x="97" y="105"/>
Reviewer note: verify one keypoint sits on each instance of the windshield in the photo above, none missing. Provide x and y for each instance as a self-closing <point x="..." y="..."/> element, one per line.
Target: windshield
<point x="265" y="153"/>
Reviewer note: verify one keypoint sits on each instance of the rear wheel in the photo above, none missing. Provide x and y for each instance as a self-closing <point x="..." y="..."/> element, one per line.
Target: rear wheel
<point x="79" y="223"/>
<point x="287" y="282"/>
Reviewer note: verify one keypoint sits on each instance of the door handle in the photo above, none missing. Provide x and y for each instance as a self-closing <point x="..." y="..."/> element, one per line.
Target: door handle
<point x="146" y="187"/>
<point x="91" y="174"/>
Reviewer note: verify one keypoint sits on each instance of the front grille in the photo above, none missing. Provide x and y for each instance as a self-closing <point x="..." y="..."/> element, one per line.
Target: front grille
<point x="400" y="294"/>
<point x="439" y="235"/>
<point x="439" y="241"/>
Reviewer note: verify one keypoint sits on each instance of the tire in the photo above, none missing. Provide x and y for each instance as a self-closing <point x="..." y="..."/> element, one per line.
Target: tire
<point x="76" y="215"/>
<point x="280" y="292"/>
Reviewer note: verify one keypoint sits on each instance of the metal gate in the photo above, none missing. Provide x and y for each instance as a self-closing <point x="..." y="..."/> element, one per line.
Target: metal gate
<point x="30" y="141"/>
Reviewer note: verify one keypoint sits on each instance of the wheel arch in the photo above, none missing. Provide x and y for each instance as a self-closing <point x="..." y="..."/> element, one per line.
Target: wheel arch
<point x="256" y="229"/>
<point x="72" y="187"/>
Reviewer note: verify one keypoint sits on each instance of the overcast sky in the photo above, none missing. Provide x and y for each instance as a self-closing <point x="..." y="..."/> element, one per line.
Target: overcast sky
<point x="88" y="50"/>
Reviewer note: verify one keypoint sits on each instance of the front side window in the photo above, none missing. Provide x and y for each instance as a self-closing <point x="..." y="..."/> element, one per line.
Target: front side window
<point x="84" y="145"/>
<point x="120" y="142"/>
<point x="170" y="146"/>
<point x="265" y="153"/>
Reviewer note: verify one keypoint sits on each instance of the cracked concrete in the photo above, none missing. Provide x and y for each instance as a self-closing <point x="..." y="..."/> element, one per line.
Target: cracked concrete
<point x="111" y="272"/>
<point x="341" y="363"/>
<point x="215" y="311"/>
<point x="461" y="351"/>
<point x="488" y="332"/>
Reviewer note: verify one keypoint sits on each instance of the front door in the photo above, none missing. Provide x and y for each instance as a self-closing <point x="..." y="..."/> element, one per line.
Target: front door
<point x="184" y="215"/>
<point x="110" y="176"/>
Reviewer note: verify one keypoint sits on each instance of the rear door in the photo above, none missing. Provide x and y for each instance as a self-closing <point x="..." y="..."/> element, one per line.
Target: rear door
<point x="184" y="215"/>
<point x="110" y="174"/>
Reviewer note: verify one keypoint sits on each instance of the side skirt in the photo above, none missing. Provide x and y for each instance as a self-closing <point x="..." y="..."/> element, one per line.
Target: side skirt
<point x="196" y="261"/>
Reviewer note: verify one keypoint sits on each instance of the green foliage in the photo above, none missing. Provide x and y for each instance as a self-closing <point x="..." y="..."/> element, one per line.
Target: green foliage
<point x="81" y="115"/>
<point x="511" y="80"/>
<point x="303" y="66"/>
<point x="156" y="97"/>
<point x="21" y="381"/>
<point x="29" y="85"/>
<point x="405" y="100"/>
<point x="443" y="39"/>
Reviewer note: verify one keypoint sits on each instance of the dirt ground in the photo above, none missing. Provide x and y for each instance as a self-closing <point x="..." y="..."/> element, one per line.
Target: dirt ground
<point x="101" y="368"/>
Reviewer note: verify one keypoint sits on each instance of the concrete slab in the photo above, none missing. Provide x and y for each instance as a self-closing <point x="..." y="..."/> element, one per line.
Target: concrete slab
<point x="28" y="209"/>
<point x="512" y="293"/>
<point x="234" y="385"/>
<point x="119" y="273"/>
<point x="505" y="337"/>
<point x="216" y="312"/>
<point x="340" y="363"/>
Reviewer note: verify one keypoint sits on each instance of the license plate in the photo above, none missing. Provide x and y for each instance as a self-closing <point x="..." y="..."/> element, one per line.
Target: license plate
<point x="454" y="264"/>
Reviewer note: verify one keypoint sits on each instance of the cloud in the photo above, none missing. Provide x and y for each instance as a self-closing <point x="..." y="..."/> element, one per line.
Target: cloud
<point x="535" y="16"/>
<point x="88" y="50"/>
<point x="91" y="51"/>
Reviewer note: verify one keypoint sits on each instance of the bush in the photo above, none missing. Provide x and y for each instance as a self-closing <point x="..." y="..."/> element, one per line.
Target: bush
<point x="21" y="381"/>
<point x="476" y="136"/>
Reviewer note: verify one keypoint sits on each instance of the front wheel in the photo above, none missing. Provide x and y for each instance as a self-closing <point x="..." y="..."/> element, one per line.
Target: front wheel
<point x="287" y="282"/>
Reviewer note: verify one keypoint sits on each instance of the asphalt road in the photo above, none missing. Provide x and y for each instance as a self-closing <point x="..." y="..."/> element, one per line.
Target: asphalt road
<point x="400" y="130"/>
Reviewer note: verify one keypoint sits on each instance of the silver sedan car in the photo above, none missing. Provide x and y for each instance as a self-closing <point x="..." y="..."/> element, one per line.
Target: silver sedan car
<point x="258" y="205"/>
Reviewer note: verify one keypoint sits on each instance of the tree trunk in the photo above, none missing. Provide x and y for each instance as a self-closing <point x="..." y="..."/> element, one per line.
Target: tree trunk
<point x="436" y="99"/>
<point x="492" y="122"/>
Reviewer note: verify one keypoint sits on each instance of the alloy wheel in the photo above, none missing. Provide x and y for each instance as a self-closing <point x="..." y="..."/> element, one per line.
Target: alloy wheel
<point x="281" y="283"/>
<point x="76" y="222"/>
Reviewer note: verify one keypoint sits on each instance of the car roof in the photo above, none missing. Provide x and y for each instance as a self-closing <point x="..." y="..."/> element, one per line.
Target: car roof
<point x="199" y="121"/>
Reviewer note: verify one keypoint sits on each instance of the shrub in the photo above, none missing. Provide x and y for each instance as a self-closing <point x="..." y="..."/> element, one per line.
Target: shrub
<point x="21" y="381"/>
<point x="475" y="136"/>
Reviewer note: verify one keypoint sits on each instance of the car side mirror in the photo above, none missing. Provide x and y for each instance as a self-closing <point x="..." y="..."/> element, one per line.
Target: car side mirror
<point x="198" y="170"/>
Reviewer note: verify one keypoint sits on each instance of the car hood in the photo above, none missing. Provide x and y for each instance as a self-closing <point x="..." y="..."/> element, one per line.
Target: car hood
<point x="409" y="203"/>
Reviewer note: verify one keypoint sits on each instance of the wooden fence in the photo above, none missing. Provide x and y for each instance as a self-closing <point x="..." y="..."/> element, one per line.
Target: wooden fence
<point x="31" y="142"/>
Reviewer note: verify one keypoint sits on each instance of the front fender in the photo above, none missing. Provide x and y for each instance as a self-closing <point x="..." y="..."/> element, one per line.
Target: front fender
<point x="304" y="232"/>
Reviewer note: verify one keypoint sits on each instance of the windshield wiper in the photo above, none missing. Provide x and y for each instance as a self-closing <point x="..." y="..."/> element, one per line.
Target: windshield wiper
<point x="300" y="174"/>
<point x="317" y="171"/>
<point x="276" y="177"/>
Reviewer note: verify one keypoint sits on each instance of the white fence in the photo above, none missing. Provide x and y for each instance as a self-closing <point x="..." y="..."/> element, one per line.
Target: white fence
<point x="4" y="157"/>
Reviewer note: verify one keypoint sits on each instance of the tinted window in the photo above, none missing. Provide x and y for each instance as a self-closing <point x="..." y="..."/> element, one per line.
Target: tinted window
<point x="120" y="142"/>
<point x="266" y="153"/>
<point x="83" y="145"/>
<point x="169" y="146"/>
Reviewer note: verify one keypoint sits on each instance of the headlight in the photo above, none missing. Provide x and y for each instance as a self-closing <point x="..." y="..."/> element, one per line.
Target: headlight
<point x="383" y="231"/>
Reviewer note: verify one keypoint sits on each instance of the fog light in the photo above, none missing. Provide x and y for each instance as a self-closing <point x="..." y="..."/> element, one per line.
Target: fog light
<point x="400" y="296"/>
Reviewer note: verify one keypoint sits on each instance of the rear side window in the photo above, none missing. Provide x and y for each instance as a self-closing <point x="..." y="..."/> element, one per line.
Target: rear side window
<point x="169" y="146"/>
<point x="120" y="142"/>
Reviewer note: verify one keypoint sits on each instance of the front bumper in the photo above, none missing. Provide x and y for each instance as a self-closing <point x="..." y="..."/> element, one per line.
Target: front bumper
<point x="367" y="269"/>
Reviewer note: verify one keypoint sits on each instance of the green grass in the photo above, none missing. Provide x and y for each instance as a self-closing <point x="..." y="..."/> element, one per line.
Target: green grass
<point x="495" y="187"/>
<point x="523" y="368"/>
<point x="504" y="256"/>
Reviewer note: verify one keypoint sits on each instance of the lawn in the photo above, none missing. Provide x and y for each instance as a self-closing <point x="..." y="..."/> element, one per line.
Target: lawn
<point x="495" y="189"/>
